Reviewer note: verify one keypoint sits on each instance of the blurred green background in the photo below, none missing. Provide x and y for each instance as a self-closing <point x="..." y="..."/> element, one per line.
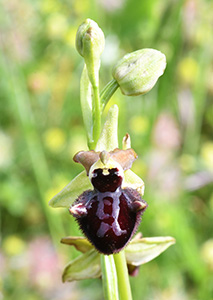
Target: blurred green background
<point x="41" y="129"/>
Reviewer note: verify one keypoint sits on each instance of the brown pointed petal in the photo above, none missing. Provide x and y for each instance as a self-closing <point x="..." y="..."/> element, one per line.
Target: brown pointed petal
<point x="124" y="157"/>
<point x="86" y="158"/>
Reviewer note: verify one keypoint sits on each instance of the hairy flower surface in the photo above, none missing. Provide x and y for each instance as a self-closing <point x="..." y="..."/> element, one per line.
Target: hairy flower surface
<point x="109" y="214"/>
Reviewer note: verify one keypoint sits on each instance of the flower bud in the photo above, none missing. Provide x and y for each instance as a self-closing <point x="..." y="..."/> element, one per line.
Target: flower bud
<point x="137" y="72"/>
<point x="90" y="44"/>
<point x="89" y="35"/>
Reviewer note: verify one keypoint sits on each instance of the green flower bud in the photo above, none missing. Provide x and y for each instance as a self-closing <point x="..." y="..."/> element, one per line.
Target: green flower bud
<point x="90" y="44"/>
<point x="137" y="72"/>
<point x="89" y="35"/>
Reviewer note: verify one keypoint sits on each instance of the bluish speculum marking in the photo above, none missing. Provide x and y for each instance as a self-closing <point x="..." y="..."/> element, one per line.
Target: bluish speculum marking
<point x="109" y="201"/>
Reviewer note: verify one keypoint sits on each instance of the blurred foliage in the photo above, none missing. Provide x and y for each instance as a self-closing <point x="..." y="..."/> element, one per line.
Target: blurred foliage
<point x="41" y="129"/>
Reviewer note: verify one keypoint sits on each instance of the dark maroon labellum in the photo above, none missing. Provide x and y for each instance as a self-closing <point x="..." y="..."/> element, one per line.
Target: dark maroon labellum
<point x="108" y="215"/>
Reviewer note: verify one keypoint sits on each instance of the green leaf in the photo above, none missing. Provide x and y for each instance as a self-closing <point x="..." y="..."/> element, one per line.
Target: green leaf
<point x="72" y="191"/>
<point x="86" y="104"/>
<point x="141" y="251"/>
<point x="85" y="266"/>
<point x="108" y="140"/>
<point x="80" y="243"/>
<point x="109" y="277"/>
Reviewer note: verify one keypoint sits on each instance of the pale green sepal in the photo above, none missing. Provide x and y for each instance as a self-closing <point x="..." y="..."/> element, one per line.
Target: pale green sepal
<point x="85" y="266"/>
<point x="108" y="140"/>
<point x="71" y="191"/>
<point x="109" y="277"/>
<point x="86" y="104"/>
<point x="133" y="181"/>
<point x="141" y="251"/>
<point x="80" y="243"/>
<point x="137" y="72"/>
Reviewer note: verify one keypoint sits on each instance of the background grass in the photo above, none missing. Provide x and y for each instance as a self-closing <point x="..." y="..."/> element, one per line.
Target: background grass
<point x="41" y="129"/>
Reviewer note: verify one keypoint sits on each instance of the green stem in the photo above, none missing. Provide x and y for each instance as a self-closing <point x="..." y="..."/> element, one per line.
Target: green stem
<point x="122" y="276"/>
<point x="109" y="277"/>
<point x="107" y="92"/>
<point x="86" y="105"/>
<point x="97" y="116"/>
<point x="99" y="102"/>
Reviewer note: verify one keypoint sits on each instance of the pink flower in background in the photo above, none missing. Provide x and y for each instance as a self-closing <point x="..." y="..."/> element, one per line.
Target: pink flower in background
<point x="164" y="172"/>
<point x="43" y="262"/>
<point x="45" y="270"/>
<point x="166" y="134"/>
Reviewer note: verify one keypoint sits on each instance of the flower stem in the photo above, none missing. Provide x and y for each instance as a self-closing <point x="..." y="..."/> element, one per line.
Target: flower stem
<point x="109" y="277"/>
<point x="96" y="115"/>
<point x="124" y="288"/>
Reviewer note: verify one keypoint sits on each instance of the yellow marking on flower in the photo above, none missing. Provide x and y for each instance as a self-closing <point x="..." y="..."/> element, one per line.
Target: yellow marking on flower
<point x="109" y="164"/>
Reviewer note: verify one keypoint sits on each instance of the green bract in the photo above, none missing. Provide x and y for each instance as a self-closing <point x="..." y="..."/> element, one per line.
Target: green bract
<point x="88" y="265"/>
<point x="137" y="72"/>
<point x="84" y="266"/>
